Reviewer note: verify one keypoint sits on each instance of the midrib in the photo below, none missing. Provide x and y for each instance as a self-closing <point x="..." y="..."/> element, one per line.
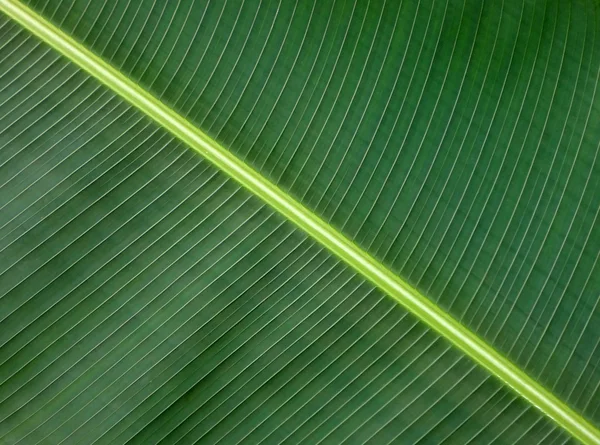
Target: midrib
<point x="333" y="240"/>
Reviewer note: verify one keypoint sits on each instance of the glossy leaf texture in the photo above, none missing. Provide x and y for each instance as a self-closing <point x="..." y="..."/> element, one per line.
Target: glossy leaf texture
<point x="456" y="141"/>
<point x="147" y="298"/>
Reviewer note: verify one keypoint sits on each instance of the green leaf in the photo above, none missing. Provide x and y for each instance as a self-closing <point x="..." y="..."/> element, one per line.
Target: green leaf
<point x="147" y="297"/>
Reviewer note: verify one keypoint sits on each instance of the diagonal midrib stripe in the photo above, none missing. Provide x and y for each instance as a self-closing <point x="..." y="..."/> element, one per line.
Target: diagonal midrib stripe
<point x="322" y="232"/>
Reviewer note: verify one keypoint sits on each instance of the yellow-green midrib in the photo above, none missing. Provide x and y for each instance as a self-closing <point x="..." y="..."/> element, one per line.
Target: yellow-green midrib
<point x="325" y="234"/>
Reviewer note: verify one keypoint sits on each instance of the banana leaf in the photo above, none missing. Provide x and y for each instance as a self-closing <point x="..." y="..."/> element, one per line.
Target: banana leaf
<point x="147" y="297"/>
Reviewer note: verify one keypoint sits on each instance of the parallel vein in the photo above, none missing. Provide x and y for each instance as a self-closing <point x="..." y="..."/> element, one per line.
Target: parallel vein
<point x="322" y="232"/>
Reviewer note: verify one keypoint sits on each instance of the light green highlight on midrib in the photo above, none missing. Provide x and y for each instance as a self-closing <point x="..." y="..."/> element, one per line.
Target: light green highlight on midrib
<point x="322" y="232"/>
